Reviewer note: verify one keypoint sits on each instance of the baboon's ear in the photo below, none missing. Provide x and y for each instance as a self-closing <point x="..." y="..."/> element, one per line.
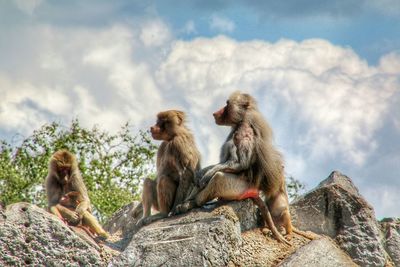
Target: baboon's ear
<point x="181" y="116"/>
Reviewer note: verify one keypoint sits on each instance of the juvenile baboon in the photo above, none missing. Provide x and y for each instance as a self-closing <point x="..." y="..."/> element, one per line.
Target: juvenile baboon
<point x="71" y="200"/>
<point x="63" y="177"/>
<point x="248" y="162"/>
<point x="178" y="159"/>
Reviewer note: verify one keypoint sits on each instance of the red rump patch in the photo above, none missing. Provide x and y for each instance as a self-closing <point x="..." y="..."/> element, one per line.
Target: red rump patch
<point x="249" y="193"/>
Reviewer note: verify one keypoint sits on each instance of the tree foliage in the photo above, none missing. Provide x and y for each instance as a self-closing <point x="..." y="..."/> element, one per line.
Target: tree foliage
<point x="294" y="187"/>
<point x="112" y="165"/>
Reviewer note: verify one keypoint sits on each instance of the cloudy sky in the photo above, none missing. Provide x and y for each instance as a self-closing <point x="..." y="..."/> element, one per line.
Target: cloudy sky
<point x="326" y="75"/>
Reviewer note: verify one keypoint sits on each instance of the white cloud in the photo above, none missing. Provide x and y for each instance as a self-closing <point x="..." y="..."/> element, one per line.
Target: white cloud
<point x="28" y="6"/>
<point x="221" y="24"/>
<point x="95" y="114"/>
<point x="330" y="89"/>
<point x="96" y="75"/>
<point x="25" y="107"/>
<point x="52" y="61"/>
<point x="155" y="33"/>
<point x="384" y="198"/>
<point x="390" y="63"/>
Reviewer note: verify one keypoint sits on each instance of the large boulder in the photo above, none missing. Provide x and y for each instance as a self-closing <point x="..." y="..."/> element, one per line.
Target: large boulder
<point x="31" y="236"/>
<point x="336" y="209"/>
<point x="169" y="239"/>
<point x="320" y="252"/>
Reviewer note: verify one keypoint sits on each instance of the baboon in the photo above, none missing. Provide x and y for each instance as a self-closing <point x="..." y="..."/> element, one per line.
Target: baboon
<point x="64" y="177"/>
<point x="178" y="159"/>
<point x="248" y="162"/>
<point x="71" y="200"/>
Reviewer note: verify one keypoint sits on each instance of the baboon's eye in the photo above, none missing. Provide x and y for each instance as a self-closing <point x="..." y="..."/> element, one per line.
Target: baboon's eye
<point x="161" y="124"/>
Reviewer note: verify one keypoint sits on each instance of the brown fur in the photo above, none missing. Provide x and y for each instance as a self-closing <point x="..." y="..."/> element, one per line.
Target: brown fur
<point x="266" y="215"/>
<point x="248" y="160"/>
<point x="71" y="200"/>
<point x="63" y="178"/>
<point x="177" y="161"/>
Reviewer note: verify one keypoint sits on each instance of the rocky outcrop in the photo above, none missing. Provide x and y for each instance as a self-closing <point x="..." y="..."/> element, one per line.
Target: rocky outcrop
<point x="218" y="234"/>
<point x="181" y="240"/>
<point x="336" y="209"/>
<point x="31" y="236"/>
<point x="391" y="231"/>
<point x="124" y="220"/>
<point x="320" y="252"/>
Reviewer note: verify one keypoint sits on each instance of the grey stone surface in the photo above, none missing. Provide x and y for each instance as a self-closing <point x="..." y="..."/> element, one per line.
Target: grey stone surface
<point x="199" y="238"/>
<point x="336" y="209"/>
<point x="320" y="252"/>
<point x="125" y="218"/>
<point x="340" y="179"/>
<point x="391" y="231"/>
<point x="30" y="235"/>
<point x="219" y="234"/>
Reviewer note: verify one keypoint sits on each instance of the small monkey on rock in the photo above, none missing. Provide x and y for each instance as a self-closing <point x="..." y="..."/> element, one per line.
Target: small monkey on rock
<point x="249" y="163"/>
<point x="67" y="194"/>
<point x="178" y="159"/>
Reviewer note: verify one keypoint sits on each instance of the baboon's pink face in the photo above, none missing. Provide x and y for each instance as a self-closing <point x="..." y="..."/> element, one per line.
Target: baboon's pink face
<point x="159" y="131"/>
<point x="224" y="115"/>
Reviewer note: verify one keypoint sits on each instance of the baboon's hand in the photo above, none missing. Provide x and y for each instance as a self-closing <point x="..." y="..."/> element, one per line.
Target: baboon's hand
<point x="80" y="210"/>
<point x="72" y="217"/>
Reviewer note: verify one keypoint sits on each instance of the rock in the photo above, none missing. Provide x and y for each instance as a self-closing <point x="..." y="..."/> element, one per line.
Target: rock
<point x="336" y="209"/>
<point x="218" y="234"/>
<point x="125" y="218"/>
<point x="259" y="248"/>
<point x="243" y="212"/>
<point x="31" y="236"/>
<point x="195" y="239"/>
<point x="339" y="179"/>
<point x="391" y="229"/>
<point x="320" y="252"/>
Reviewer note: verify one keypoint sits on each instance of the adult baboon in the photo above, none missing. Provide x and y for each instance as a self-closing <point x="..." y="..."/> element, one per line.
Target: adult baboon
<point x="178" y="159"/>
<point x="64" y="177"/>
<point x="248" y="162"/>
